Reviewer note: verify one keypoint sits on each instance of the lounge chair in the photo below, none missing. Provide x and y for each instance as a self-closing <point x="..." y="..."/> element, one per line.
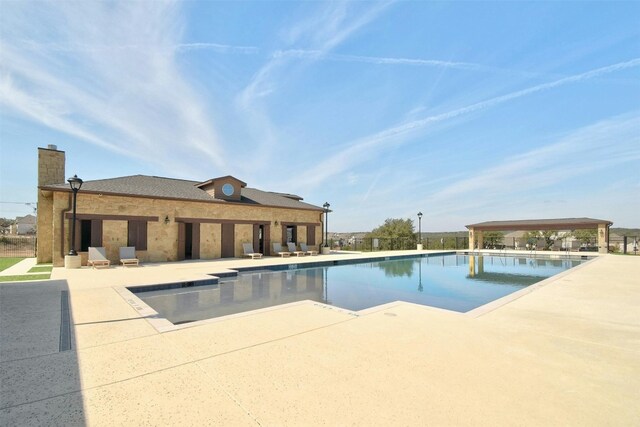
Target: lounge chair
<point x="98" y="257"/>
<point x="128" y="256"/>
<point x="248" y="251"/>
<point x="277" y="249"/>
<point x="293" y="250"/>
<point x="306" y="249"/>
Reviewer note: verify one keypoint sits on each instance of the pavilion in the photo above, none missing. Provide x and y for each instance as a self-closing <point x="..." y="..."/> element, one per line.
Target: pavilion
<point x="602" y="225"/>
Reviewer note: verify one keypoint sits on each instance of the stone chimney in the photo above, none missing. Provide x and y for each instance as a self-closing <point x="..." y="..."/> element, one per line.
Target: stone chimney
<point x="50" y="166"/>
<point x="50" y="171"/>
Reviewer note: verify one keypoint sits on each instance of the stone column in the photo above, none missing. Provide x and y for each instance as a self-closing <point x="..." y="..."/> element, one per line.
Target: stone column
<point x="471" y="239"/>
<point x="603" y="238"/>
<point x="480" y="240"/>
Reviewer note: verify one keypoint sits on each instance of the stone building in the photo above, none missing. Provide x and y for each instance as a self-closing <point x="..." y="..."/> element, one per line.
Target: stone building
<point x="166" y="219"/>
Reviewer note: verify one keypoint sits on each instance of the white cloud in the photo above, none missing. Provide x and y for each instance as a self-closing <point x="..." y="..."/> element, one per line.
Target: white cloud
<point x="324" y="55"/>
<point x="362" y="149"/>
<point x="319" y="34"/>
<point x="577" y="156"/>
<point x="107" y="74"/>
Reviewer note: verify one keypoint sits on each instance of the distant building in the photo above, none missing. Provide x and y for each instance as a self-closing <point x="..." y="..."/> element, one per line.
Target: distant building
<point x="24" y="225"/>
<point x="166" y="219"/>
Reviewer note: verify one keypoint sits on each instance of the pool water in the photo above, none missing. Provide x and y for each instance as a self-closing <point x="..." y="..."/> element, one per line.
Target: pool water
<point x="454" y="282"/>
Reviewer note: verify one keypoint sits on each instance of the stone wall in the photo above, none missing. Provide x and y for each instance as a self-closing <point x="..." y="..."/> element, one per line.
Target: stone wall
<point x="162" y="239"/>
<point x="45" y="227"/>
<point x="50" y="167"/>
<point x="51" y="164"/>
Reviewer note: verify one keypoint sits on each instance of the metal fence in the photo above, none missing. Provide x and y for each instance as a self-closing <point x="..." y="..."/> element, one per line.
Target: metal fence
<point x="559" y="244"/>
<point x="371" y="244"/>
<point x="17" y="246"/>
<point x="625" y="245"/>
<point x="617" y="244"/>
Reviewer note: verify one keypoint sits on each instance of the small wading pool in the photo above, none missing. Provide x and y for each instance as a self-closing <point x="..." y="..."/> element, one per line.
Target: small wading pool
<point x="455" y="282"/>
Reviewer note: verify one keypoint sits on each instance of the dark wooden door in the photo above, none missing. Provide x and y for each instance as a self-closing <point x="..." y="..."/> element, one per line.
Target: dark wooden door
<point x="228" y="241"/>
<point x="182" y="235"/>
<point x="195" y="241"/>
<point x="311" y="235"/>
<point x="266" y="232"/>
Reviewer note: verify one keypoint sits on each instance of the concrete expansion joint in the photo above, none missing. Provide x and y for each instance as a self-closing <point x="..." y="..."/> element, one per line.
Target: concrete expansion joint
<point x="81" y="389"/>
<point x="30" y="357"/>
<point x="271" y="341"/>
<point x="30" y="402"/>
<point x="110" y="343"/>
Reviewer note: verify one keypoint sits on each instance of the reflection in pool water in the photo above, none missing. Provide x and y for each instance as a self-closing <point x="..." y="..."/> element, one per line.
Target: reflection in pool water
<point x="454" y="282"/>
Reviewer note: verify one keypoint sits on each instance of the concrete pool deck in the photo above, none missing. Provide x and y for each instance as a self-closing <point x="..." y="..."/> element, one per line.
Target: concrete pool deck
<point x="566" y="354"/>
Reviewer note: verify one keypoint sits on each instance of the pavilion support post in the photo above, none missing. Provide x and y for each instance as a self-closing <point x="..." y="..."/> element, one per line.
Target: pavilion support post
<point x="603" y="238"/>
<point x="480" y="240"/>
<point x="472" y="239"/>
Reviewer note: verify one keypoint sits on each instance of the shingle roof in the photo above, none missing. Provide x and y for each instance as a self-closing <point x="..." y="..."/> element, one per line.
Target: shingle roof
<point x="539" y="224"/>
<point x="27" y="219"/>
<point x="170" y="188"/>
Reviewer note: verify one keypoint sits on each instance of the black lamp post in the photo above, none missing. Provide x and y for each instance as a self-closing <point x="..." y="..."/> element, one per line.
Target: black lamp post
<point x="419" y="227"/>
<point x="75" y="183"/>
<point x="326" y="223"/>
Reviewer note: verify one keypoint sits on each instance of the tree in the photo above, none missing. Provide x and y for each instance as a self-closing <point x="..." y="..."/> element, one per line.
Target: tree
<point x="549" y="237"/>
<point x="585" y="236"/>
<point x="492" y="238"/>
<point x="394" y="228"/>
<point x="397" y="229"/>
<point x="5" y="223"/>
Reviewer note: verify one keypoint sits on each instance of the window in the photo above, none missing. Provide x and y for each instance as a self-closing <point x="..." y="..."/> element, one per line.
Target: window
<point x="137" y="235"/>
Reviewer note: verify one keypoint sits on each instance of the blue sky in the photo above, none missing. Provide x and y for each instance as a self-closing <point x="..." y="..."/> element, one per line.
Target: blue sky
<point x="466" y="111"/>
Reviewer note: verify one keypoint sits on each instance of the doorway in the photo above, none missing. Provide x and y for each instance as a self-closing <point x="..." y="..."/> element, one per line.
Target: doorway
<point x="290" y="234"/>
<point x="228" y="241"/>
<point x="188" y="240"/>
<point x="261" y="238"/>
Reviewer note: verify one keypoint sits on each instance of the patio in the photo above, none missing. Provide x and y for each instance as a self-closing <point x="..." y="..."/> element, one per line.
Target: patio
<point x="565" y="354"/>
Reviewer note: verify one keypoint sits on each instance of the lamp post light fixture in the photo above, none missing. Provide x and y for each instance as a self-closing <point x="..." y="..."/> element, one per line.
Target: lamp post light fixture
<point x="75" y="183"/>
<point x="419" y="231"/>
<point x="326" y="223"/>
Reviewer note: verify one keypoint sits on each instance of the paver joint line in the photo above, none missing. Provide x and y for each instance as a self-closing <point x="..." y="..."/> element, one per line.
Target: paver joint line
<point x="271" y="341"/>
<point x="108" y="321"/>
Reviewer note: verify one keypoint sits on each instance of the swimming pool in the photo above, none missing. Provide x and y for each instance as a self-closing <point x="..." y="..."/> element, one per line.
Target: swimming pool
<point x="457" y="282"/>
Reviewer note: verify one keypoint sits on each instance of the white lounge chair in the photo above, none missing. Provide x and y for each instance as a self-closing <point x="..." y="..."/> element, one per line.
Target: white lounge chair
<point x="293" y="250"/>
<point x="98" y="257"/>
<point x="248" y="251"/>
<point x="128" y="256"/>
<point x="277" y="249"/>
<point x="306" y="249"/>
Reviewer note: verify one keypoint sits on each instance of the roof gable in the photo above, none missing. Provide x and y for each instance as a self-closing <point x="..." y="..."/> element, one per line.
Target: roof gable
<point x="226" y="178"/>
<point x="223" y="188"/>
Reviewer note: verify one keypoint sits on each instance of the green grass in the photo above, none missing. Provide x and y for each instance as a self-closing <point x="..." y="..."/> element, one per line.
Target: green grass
<point x="41" y="269"/>
<point x="8" y="262"/>
<point x="24" y="277"/>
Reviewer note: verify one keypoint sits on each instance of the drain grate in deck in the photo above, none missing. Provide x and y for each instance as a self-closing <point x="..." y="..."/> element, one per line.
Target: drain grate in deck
<point x="65" y="322"/>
